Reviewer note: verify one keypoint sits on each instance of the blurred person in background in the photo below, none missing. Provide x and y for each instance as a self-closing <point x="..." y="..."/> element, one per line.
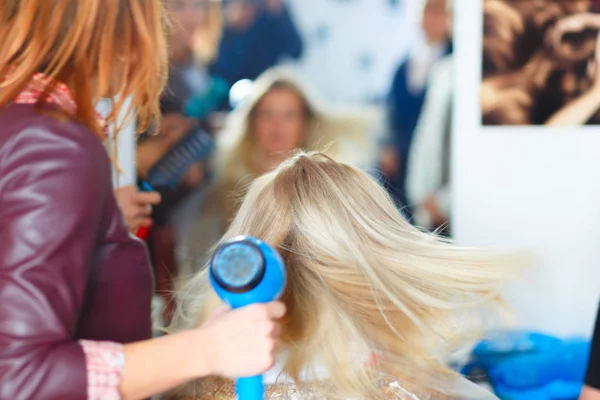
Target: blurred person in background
<point x="191" y="92"/>
<point x="171" y="213"/>
<point x="193" y="45"/>
<point x="190" y="97"/>
<point x="257" y="35"/>
<point x="428" y="178"/>
<point x="591" y="390"/>
<point x="280" y="114"/>
<point x="76" y="286"/>
<point x="407" y="96"/>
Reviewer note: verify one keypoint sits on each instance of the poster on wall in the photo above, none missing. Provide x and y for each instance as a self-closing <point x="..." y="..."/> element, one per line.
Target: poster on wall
<point x="540" y="62"/>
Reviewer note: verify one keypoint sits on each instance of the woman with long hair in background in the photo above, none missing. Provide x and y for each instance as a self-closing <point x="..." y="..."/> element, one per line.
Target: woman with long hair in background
<point x="76" y="286"/>
<point x="280" y="114"/>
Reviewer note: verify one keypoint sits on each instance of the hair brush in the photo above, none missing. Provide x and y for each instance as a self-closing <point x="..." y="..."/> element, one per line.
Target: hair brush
<point x="196" y="146"/>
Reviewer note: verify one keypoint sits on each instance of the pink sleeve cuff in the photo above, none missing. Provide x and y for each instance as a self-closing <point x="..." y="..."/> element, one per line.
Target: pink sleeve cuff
<point x="105" y="362"/>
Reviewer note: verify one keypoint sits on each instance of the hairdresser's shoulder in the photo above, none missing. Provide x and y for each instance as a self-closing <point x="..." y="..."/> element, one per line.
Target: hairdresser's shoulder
<point x="25" y="130"/>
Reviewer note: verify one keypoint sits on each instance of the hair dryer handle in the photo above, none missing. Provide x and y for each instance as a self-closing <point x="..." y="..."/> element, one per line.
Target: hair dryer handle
<point x="251" y="388"/>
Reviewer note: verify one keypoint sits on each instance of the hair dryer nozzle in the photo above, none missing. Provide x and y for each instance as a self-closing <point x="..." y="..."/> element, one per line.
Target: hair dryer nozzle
<point x="246" y="270"/>
<point x="238" y="266"/>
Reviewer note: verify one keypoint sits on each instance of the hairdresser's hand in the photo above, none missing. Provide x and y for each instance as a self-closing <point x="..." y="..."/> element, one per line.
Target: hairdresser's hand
<point x="194" y="176"/>
<point x="589" y="393"/>
<point x="172" y="129"/>
<point x="242" y="342"/>
<point x="389" y="162"/>
<point x="436" y="215"/>
<point x="136" y="206"/>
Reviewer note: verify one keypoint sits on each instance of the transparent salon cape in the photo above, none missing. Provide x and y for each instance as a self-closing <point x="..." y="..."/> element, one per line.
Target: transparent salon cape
<point x="457" y="388"/>
<point x="279" y="386"/>
<point x="392" y="390"/>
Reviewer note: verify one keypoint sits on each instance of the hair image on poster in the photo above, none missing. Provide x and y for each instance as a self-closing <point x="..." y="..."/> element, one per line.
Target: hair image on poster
<point x="541" y="62"/>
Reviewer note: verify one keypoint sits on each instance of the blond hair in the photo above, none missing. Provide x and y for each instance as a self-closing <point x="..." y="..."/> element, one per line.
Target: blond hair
<point x="360" y="277"/>
<point x="86" y="44"/>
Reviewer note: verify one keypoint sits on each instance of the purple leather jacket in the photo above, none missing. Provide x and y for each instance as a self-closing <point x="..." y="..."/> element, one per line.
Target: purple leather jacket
<point x="69" y="269"/>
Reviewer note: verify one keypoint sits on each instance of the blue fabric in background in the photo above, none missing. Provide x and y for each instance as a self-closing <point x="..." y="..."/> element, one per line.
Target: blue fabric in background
<point x="532" y="366"/>
<point x="404" y="108"/>
<point x="247" y="54"/>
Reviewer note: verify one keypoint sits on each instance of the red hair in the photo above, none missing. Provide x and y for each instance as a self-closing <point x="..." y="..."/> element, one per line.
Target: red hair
<point x="98" y="48"/>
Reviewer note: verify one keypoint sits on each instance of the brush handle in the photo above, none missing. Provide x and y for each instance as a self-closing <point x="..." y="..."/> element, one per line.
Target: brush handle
<point x="251" y="388"/>
<point x="196" y="146"/>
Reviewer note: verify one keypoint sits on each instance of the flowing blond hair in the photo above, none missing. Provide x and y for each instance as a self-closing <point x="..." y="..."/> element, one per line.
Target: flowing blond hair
<point x="360" y="277"/>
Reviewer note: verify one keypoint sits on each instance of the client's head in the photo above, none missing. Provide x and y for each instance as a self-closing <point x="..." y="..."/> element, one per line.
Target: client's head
<point x="361" y="280"/>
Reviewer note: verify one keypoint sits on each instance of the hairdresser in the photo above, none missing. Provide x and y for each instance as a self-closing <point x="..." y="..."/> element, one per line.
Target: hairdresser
<point x="75" y="286"/>
<point x="591" y="390"/>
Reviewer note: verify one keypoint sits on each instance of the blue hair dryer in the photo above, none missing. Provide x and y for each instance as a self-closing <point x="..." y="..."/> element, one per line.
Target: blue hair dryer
<point x="244" y="271"/>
